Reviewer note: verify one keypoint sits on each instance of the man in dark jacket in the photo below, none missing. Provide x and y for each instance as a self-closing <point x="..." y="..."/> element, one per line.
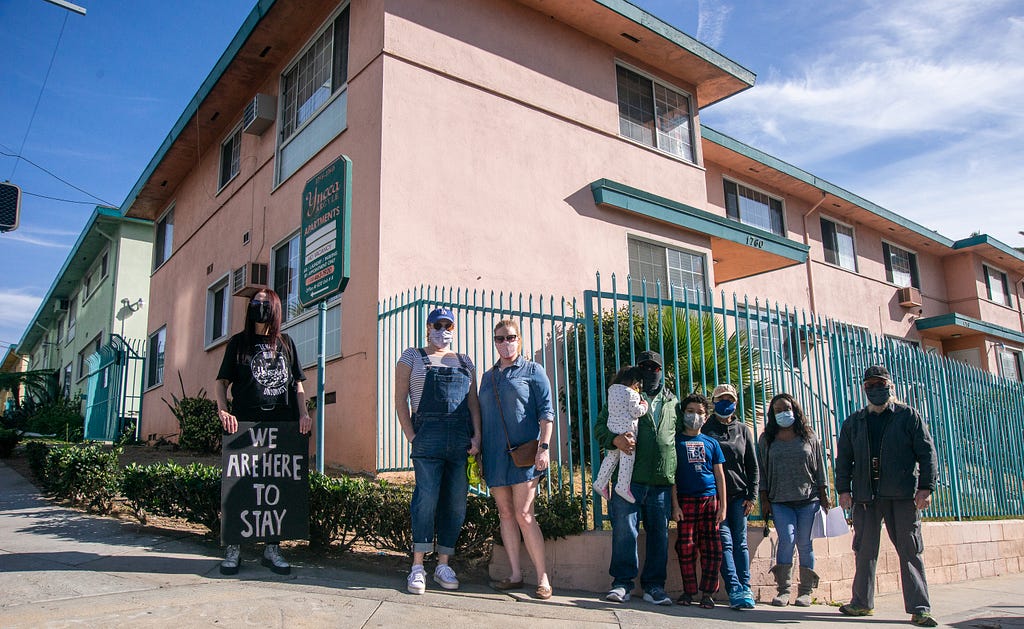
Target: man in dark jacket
<point x="886" y="470"/>
<point x="653" y="476"/>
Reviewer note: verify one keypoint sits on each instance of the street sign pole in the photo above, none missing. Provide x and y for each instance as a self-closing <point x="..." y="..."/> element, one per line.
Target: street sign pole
<point x="320" y="380"/>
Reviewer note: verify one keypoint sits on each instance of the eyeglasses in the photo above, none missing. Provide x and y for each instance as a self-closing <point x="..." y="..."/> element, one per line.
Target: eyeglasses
<point x="259" y="302"/>
<point x="650" y="367"/>
<point x="443" y="325"/>
<point x="508" y="337"/>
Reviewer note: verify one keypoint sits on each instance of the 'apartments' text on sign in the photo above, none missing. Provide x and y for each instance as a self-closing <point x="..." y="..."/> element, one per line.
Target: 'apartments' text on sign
<point x="326" y="232"/>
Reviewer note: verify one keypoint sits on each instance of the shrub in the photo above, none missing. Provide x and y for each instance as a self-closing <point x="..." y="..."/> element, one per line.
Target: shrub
<point x="198" y="420"/>
<point x="560" y="514"/>
<point x="87" y="474"/>
<point x="339" y="509"/>
<point x="36" y="452"/>
<point x="389" y="526"/>
<point x="8" y="441"/>
<point x="190" y="492"/>
<point x="60" y="417"/>
<point x="481" y="528"/>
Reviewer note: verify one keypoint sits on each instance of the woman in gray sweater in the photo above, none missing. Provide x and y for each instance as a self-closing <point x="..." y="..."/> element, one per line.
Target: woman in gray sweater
<point x="793" y="488"/>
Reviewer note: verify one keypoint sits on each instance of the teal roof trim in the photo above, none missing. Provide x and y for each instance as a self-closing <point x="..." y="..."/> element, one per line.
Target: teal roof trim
<point x="100" y="213"/>
<point x="802" y="175"/>
<point x="248" y="26"/>
<point x="607" y="192"/>
<point x="679" y="38"/>
<point x="970" y="323"/>
<point x="985" y="239"/>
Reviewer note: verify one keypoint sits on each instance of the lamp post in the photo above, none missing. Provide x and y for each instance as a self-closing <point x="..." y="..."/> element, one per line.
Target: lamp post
<point x="127" y="308"/>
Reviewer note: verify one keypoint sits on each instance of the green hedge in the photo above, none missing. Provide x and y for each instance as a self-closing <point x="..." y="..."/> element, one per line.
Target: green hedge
<point x="342" y="511"/>
<point x="9" y="439"/>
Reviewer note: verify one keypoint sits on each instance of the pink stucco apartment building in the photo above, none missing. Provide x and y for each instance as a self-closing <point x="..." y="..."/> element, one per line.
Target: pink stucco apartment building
<point x="517" y="145"/>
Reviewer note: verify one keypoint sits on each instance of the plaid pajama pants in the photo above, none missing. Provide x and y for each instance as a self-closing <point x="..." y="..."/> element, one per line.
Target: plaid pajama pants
<point x="698" y="531"/>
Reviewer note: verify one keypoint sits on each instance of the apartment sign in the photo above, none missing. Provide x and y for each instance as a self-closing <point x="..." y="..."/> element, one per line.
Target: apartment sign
<point x="326" y="232"/>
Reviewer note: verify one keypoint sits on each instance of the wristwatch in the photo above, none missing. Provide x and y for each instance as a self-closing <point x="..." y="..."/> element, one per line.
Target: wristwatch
<point x="544" y="446"/>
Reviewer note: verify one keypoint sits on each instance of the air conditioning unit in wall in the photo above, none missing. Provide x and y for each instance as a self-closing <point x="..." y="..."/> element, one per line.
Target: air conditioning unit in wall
<point x="248" y="279"/>
<point x="909" y="296"/>
<point x="259" y="114"/>
<point x="61" y="305"/>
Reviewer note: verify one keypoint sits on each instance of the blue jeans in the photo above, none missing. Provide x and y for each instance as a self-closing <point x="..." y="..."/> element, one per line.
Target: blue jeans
<point x="653" y="507"/>
<point x="438" y="507"/>
<point x="735" y="556"/>
<point x="794" y="525"/>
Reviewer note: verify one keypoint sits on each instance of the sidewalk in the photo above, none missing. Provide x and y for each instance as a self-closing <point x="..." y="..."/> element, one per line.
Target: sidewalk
<point x="59" y="567"/>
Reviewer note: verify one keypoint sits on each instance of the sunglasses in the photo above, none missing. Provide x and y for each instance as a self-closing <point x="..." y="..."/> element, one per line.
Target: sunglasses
<point x="443" y="325"/>
<point x="508" y="337"/>
<point x="650" y="367"/>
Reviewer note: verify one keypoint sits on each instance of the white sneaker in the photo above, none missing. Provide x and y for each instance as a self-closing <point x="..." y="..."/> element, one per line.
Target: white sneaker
<point x="417" y="581"/>
<point x="232" y="557"/>
<point x="445" y="577"/>
<point x="272" y="559"/>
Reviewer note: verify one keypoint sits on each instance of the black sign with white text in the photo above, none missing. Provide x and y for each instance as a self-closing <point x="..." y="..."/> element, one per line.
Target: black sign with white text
<point x="265" y="483"/>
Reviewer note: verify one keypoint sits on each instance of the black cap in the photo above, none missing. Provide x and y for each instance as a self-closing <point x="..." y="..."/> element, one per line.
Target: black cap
<point x="877" y="371"/>
<point x="649" y="357"/>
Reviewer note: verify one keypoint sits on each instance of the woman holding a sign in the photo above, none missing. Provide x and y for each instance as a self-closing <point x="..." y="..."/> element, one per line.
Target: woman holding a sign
<point x="793" y="489"/>
<point x="262" y="368"/>
<point x="515" y="403"/>
<point x="437" y="405"/>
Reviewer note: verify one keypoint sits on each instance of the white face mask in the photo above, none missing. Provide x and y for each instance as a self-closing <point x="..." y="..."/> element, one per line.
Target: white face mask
<point x="785" y="419"/>
<point x="508" y="349"/>
<point x="441" y="338"/>
<point x="693" y="421"/>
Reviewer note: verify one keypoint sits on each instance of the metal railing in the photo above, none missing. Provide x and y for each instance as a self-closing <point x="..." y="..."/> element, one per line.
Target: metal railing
<point x="762" y="348"/>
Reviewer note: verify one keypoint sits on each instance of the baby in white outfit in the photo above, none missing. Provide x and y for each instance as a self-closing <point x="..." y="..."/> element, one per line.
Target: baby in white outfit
<point x="625" y="407"/>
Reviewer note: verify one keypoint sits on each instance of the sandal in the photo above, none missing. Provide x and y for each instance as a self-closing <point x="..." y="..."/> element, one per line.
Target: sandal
<point x="685" y="600"/>
<point x="706" y="602"/>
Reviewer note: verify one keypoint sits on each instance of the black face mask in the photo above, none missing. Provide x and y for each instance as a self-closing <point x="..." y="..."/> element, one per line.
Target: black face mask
<point x="652" y="381"/>
<point x="259" y="311"/>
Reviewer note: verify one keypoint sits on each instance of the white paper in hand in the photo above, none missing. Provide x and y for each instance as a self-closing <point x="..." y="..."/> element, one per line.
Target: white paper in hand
<point x="831" y="524"/>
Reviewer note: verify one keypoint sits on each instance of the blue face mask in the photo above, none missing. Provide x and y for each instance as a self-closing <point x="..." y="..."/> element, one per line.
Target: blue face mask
<point x="785" y="419"/>
<point x="878" y="395"/>
<point x="725" y="408"/>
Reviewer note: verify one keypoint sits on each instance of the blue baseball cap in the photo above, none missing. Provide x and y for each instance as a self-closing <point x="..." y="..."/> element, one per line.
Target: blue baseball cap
<point x="440" y="313"/>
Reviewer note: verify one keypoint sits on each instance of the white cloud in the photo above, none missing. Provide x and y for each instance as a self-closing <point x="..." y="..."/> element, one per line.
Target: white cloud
<point x="711" y="18"/>
<point x="915" y="104"/>
<point x="29" y="237"/>
<point x="16" y="310"/>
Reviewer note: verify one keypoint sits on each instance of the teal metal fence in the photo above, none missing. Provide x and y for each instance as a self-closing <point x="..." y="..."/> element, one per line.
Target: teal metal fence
<point x="762" y="348"/>
<point x="114" y="389"/>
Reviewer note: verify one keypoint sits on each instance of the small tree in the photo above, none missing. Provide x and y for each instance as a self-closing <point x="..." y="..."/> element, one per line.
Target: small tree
<point x="197" y="417"/>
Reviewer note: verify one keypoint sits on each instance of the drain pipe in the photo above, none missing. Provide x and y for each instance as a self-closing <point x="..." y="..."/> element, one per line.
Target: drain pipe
<point x="810" y="278"/>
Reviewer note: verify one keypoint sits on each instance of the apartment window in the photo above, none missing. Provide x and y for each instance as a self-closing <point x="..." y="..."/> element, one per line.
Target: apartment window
<point x="164" y="238"/>
<point x="72" y="318"/>
<point x="754" y="208"/>
<point x="1011" y="364"/>
<point x="103" y="265"/>
<point x="155" y="357"/>
<point x="230" y="156"/>
<point x="899" y="341"/>
<point x="86" y="286"/>
<point x="217" y="300"/>
<point x="997" y="285"/>
<point x="310" y="114"/>
<point x="684" y="271"/>
<point x="66" y="389"/>
<point x="286" y="278"/>
<point x="900" y="266"/>
<point x="654" y="114"/>
<point x="83" y="356"/>
<point x="60" y="329"/>
<point x="774" y="334"/>
<point x="837" y="239"/>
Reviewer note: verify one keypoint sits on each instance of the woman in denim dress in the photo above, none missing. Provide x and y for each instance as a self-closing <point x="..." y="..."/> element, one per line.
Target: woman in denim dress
<point x="436" y="400"/>
<point x="522" y="388"/>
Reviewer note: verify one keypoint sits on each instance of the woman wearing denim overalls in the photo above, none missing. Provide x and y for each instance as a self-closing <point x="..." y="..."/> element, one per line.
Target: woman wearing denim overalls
<point x="436" y="399"/>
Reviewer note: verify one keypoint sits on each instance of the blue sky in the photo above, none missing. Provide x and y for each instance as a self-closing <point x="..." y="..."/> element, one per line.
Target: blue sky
<point x="915" y="105"/>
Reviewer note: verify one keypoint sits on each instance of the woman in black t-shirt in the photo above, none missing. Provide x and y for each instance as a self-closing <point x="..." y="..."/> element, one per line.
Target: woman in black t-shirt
<point x="262" y="368"/>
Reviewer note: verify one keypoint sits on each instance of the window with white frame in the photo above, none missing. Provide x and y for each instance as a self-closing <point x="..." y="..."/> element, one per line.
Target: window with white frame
<point x="92" y="280"/>
<point x="230" y="156"/>
<point x="217" y="306"/>
<point x="1011" y="364"/>
<point x="837" y="240"/>
<point x="682" y="270"/>
<point x="299" y="323"/>
<point x="899" y="341"/>
<point x="66" y="389"/>
<point x="997" y="285"/>
<point x="164" y="240"/>
<point x="312" y="101"/>
<point x="900" y="266"/>
<point x="654" y="114"/>
<point x="775" y="334"/>
<point x="754" y="208"/>
<point x="72" y="318"/>
<point x="87" y="351"/>
<point x="155" y="357"/>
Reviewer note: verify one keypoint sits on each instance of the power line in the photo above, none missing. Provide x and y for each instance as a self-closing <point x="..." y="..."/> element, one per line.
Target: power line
<point x="43" y="196"/>
<point x="40" y="97"/>
<point x="57" y="177"/>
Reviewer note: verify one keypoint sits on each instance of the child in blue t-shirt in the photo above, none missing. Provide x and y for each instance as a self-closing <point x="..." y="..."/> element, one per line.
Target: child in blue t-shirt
<point x="698" y="502"/>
